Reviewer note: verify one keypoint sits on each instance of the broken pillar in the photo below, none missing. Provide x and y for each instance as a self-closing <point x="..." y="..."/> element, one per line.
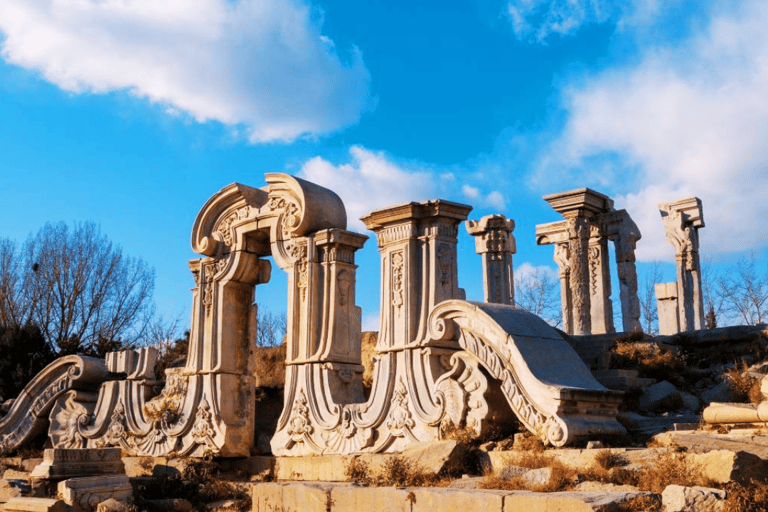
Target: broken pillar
<point x="496" y="244"/>
<point x="682" y="220"/>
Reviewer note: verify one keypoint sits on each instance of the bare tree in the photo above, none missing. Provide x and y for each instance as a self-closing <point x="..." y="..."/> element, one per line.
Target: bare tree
<point x="537" y="291"/>
<point x="271" y="328"/>
<point x="744" y="291"/>
<point x="648" y="312"/>
<point x="81" y="291"/>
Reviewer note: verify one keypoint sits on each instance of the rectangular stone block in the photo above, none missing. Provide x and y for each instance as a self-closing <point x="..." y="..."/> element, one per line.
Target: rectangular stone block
<point x="296" y="496"/>
<point x="330" y="468"/>
<point x="61" y="463"/>
<point x="87" y="492"/>
<point x="457" y="500"/>
<point x="350" y="498"/>
<point x="34" y="505"/>
<point x="267" y="497"/>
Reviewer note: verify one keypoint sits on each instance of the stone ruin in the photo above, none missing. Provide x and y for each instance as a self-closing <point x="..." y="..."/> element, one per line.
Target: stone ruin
<point x="438" y="360"/>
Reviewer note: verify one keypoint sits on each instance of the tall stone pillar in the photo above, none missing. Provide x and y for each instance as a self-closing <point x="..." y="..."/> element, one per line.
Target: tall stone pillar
<point x="495" y="242"/>
<point x="621" y="229"/>
<point x="682" y="220"/>
<point x="587" y="274"/>
<point x="417" y="242"/>
<point x="667" y="308"/>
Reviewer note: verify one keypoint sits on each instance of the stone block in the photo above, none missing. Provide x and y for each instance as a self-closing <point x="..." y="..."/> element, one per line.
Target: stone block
<point x="87" y="492"/>
<point x="267" y="497"/>
<point x="658" y="395"/>
<point x="269" y="367"/>
<point x="621" y="379"/>
<point x="329" y="468"/>
<point x="61" y="463"/>
<point x="722" y="466"/>
<point x="569" y="501"/>
<point x="8" y="490"/>
<point x="307" y="497"/>
<point x="353" y="498"/>
<point x="722" y="392"/>
<point x="537" y="477"/>
<point x="677" y="498"/>
<point x="438" y="457"/>
<point x="467" y="482"/>
<point x="510" y="472"/>
<point x="456" y="500"/>
<point x="702" y="442"/>
<point x="35" y="505"/>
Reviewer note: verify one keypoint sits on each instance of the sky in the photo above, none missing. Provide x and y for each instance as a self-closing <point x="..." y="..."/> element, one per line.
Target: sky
<point x="132" y="113"/>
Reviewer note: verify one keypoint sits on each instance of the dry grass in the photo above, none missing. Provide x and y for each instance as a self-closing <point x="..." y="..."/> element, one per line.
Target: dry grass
<point x="528" y="442"/>
<point x="649" y="359"/>
<point x="669" y="469"/>
<point x="641" y="504"/>
<point x="397" y="471"/>
<point x="608" y="459"/>
<point x="745" y="386"/>
<point x="459" y="433"/>
<point x="750" y="498"/>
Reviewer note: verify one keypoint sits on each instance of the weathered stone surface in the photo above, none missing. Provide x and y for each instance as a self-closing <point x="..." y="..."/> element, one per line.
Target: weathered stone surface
<point x="722" y="466"/>
<point x="8" y="490"/>
<point x="437" y="457"/>
<point x="111" y="505"/>
<point x="603" y="487"/>
<point x="677" y="498"/>
<point x="658" y="395"/>
<point x="569" y="501"/>
<point x="59" y="463"/>
<point x="356" y="498"/>
<point x="270" y="497"/>
<point x="35" y="505"/>
<point x="621" y="379"/>
<point x="510" y="472"/>
<point x="87" y="492"/>
<point x="456" y="500"/>
<point x="496" y="244"/>
<point x="466" y="482"/>
<point x="269" y="367"/>
<point x="329" y="468"/>
<point x="706" y="441"/>
<point x="537" y="477"/>
<point x="722" y="392"/>
<point x="691" y="402"/>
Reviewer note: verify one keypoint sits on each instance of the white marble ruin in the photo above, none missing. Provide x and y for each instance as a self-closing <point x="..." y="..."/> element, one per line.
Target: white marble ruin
<point x="438" y="356"/>
<point x="682" y="220"/>
<point x="495" y="243"/>
<point x="581" y="254"/>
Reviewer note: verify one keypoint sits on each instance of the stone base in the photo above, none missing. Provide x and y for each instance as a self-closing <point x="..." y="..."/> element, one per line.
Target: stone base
<point x="34" y="505"/>
<point x="87" y="492"/>
<point x="61" y="463"/>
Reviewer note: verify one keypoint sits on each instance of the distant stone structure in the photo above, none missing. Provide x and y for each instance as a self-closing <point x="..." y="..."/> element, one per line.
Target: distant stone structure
<point x="581" y="254"/>
<point x="682" y="220"/>
<point x="496" y="244"/>
<point x="438" y="357"/>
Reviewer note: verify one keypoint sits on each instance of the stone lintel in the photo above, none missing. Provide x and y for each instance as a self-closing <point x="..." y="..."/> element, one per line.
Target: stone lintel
<point x="690" y="208"/>
<point x="87" y="492"/>
<point x="581" y="201"/>
<point x="415" y="210"/>
<point x="552" y="232"/>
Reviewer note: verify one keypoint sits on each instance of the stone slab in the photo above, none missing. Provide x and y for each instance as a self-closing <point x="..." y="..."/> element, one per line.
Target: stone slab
<point x="568" y="501"/>
<point x="329" y="468"/>
<point x="432" y="499"/>
<point x="61" y="463"/>
<point x="87" y="492"/>
<point x="703" y="441"/>
<point x="34" y="505"/>
<point x="357" y="498"/>
<point x="693" y="499"/>
<point x="303" y="496"/>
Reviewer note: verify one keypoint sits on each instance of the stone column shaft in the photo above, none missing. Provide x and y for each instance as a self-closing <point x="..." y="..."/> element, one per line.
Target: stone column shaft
<point x="495" y="243"/>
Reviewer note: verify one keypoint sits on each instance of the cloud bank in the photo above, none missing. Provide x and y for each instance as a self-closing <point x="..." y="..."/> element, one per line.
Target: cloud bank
<point x="260" y="64"/>
<point x="372" y="180"/>
<point x="685" y="119"/>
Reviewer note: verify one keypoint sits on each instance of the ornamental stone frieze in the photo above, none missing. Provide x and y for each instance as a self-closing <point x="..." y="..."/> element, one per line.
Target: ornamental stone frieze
<point x="439" y="360"/>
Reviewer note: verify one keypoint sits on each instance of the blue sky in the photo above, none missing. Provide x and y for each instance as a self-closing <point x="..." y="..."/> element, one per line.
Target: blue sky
<point x="131" y="113"/>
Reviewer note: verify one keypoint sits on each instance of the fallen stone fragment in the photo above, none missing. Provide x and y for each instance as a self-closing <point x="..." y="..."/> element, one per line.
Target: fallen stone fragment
<point x="170" y="505"/>
<point x="510" y="472"/>
<point x="537" y="477"/>
<point x="677" y="498"/>
<point x="35" y="505"/>
<point x="722" y="466"/>
<point x="111" y="505"/>
<point x="467" y="483"/>
<point x="658" y="395"/>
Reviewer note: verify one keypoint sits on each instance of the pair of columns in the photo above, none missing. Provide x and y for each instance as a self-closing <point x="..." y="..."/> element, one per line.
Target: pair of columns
<point x="581" y="254"/>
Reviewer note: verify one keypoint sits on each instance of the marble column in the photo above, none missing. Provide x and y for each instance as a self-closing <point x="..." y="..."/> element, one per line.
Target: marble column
<point x="682" y="220"/>
<point x="496" y="244"/>
<point x="619" y="227"/>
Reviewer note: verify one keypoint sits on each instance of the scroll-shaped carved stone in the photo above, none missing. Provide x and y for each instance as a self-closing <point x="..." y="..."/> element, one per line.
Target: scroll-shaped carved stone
<point x="528" y="356"/>
<point x="29" y="413"/>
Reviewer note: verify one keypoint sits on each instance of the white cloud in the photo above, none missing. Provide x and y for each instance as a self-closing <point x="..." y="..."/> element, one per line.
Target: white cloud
<point x="686" y="120"/>
<point x="526" y="273"/>
<point x="538" y="19"/>
<point x="374" y="180"/>
<point x="260" y="63"/>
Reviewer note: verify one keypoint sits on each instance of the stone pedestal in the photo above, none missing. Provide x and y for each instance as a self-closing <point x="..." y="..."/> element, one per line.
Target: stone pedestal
<point x="495" y="243"/>
<point x="682" y="220"/>
<point x="61" y="463"/>
<point x="86" y="492"/>
<point x="666" y="305"/>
